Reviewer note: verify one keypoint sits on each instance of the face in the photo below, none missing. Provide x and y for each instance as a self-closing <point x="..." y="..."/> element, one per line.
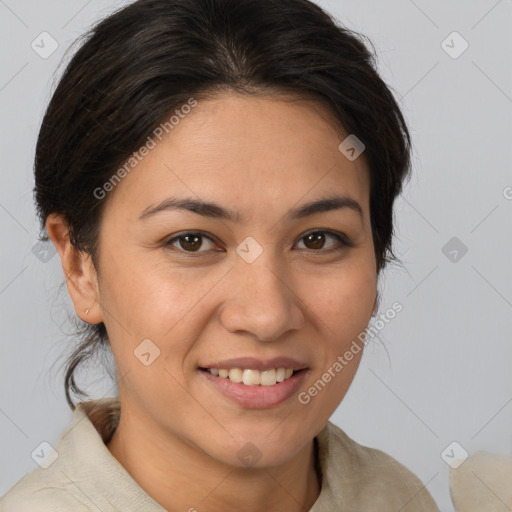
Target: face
<point x="255" y="283"/>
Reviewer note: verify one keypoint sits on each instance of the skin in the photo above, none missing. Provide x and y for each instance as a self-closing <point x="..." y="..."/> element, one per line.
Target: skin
<point x="178" y="437"/>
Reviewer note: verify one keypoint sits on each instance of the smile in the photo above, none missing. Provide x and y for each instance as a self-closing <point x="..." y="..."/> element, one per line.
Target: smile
<point x="251" y="377"/>
<point x="261" y="389"/>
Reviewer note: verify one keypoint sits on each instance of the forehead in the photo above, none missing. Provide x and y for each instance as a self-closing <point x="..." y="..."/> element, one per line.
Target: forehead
<point x="250" y="153"/>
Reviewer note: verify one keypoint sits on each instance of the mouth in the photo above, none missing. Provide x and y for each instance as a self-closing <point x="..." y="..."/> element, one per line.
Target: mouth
<point x="251" y="377"/>
<point x="255" y="384"/>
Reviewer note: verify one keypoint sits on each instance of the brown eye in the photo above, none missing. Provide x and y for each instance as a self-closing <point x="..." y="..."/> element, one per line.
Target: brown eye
<point x="315" y="241"/>
<point x="189" y="241"/>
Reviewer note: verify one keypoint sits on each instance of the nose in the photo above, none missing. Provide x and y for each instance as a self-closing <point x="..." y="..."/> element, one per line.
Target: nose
<point x="261" y="302"/>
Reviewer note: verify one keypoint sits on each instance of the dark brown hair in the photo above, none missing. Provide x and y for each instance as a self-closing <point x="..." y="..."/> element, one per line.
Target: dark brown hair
<point x="141" y="63"/>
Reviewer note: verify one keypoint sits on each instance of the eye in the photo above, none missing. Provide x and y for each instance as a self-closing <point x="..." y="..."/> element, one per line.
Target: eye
<point x="189" y="241"/>
<point x="316" y="241"/>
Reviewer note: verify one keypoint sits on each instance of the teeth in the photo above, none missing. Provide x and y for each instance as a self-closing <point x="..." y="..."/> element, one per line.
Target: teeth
<point x="236" y="375"/>
<point x="253" y="377"/>
<point x="268" y="377"/>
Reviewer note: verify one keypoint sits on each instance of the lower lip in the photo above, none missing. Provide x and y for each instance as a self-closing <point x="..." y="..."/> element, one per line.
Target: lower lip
<point x="256" y="397"/>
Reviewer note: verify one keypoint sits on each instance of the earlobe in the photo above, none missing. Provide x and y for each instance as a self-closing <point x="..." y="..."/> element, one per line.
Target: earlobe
<point x="81" y="278"/>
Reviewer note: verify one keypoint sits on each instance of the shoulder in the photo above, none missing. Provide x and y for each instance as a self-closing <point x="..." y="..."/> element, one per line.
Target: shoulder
<point x="40" y="492"/>
<point x="482" y="482"/>
<point x="69" y="479"/>
<point x="374" y="477"/>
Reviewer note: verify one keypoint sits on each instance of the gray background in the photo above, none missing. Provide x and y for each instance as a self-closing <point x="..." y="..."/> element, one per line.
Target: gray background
<point x="442" y="370"/>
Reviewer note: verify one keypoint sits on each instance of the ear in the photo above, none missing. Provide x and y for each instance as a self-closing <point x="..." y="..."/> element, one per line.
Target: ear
<point x="81" y="277"/>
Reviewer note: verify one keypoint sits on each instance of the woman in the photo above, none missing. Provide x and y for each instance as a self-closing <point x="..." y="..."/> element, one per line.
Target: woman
<point x="218" y="177"/>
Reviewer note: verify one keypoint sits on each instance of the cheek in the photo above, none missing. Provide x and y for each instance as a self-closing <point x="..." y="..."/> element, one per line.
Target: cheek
<point x="151" y="299"/>
<point x="168" y="306"/>
<point x="343" y="303"/>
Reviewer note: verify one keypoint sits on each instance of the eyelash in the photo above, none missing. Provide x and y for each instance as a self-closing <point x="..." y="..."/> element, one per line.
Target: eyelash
<point x="343" y="242"/>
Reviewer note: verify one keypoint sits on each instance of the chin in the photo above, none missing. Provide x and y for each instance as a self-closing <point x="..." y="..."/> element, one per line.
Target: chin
<point x="255" y="452"/>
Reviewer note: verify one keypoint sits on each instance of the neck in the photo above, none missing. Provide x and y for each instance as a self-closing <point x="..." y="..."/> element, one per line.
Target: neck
<point x="179" y="476"/>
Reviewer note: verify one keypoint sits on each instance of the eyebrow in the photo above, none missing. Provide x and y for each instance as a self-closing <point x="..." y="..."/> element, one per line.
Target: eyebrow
<point x="215" y="211"/>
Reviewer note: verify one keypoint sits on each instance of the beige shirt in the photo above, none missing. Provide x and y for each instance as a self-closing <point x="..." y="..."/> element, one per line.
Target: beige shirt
<point x="482" y="483"/>
<point x="85" y="476"/>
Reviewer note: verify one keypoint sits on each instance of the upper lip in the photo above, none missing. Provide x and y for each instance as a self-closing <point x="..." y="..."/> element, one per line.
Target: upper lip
<point x="254" y="363"/>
